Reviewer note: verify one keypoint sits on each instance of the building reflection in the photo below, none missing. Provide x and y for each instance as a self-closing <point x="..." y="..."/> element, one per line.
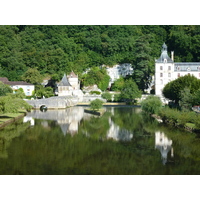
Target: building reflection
<point x="117" y="134"/>
<point x="164" y="145"/>
<point x="69" y="120"/>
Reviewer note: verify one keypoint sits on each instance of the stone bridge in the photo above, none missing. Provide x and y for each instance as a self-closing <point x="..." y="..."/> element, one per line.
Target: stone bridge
<point x="54" y="102"/>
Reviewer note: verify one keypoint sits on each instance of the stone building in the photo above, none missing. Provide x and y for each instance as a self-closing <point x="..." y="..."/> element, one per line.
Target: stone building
<point x="70" y="86"/>
<point x="167" y="70"/>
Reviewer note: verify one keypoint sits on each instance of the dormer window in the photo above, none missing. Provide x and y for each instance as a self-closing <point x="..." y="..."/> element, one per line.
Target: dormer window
<point x="165" y="60"/>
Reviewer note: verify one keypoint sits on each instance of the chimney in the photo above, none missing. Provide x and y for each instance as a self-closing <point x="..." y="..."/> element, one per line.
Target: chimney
<point x="172" y="55"/>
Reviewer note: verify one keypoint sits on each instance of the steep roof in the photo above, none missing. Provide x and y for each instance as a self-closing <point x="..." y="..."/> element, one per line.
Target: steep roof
<point x="72" y="75"/>
<point x="64" y="81"/>
<point x="164" y="56"/>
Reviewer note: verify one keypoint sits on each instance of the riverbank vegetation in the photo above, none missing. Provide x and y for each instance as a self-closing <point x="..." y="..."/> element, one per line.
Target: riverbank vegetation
<point x="183" y="94"/>
<point x="11" y="105"/>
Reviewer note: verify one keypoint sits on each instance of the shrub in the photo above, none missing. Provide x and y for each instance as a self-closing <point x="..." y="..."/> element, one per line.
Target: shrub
<point x="107" y="96"/>
<point x="152" y="104"/>
<point x="95" y="92"/>
<point x="96" y="104"/>
<point x="9" y="104"/>
<point x="117" y="97"/>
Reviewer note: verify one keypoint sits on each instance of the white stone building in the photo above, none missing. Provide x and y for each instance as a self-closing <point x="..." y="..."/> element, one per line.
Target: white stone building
<point x="167" y="70"/>
<point x="70" y="86"/>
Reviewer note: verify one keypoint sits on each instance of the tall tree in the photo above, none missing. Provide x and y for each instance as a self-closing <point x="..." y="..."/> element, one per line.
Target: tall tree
<point x="130" y="90"/>
<point x="4" y="89"/>
<point x="142" y="67"/>
<point x="172" y="90"/>
<point x="32" y="75"/>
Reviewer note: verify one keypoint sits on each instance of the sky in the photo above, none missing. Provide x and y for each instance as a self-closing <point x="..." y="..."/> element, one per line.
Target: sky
<point x="104" y="12"/>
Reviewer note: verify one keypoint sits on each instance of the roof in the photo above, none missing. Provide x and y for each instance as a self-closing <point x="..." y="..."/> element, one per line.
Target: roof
<point x="187" y="66"/>
<point x="164" y="56"/>
<point x="18" y="83"/>
<point x="72" y="75"/>
<point x="6" y="81"/>
<point x="64" y="81"/>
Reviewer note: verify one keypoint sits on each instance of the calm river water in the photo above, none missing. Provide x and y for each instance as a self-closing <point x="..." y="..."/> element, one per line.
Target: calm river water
<point x="123" y="141"/>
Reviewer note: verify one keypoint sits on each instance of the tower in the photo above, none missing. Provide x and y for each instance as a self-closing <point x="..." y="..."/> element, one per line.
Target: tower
<point x="164" y="67"/>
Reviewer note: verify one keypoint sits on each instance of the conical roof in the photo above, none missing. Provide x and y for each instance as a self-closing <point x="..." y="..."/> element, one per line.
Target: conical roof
<point x="164" y="56"/>
<point x="64" y="81"/>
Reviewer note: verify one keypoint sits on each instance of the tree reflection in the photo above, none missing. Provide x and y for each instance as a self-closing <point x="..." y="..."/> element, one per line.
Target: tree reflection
<point x="101" y="145"/>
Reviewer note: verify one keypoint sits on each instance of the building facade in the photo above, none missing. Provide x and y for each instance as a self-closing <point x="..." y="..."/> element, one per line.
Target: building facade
<point x="70" y="86"/>
<point x="167" y="70"/>
<point x="15" y="85"/>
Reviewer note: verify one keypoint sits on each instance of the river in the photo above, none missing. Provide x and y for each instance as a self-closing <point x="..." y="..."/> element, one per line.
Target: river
<point x="123" y="141"/>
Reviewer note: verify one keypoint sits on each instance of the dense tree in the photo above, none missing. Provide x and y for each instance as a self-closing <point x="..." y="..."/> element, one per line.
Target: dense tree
<point x="142" y="69"/>
<point x="118" y="84"/>
<point x="97" y="76"/>
<point x="43" y="92"/>
<point x="196" y="97"/>
<point x="186" y="100"/>
<point x="96" y="104"/>
<point x="4" y="89"/>
<point x="107" y="96"/>
<point x="60" y="49"/>
<point x="12" y="104"/>
<point x="172" y="90"/>
<point x="130" y="90"/>
<point x="151" y="105"/>
<point x="32" y="75"/>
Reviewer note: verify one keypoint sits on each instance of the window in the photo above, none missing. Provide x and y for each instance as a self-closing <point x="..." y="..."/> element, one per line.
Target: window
<point x="161" y="67"/>
<point x="188" y="69"/>
<point x="169" y="74"/>
<point x="178" y="74"/>
<point x="161" y="74"/>
<point x="169" y="67"/>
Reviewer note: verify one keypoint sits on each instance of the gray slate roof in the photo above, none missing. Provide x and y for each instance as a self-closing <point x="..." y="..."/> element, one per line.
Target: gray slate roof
<point x="64" y="81"/>
<point x="164" y="55"/>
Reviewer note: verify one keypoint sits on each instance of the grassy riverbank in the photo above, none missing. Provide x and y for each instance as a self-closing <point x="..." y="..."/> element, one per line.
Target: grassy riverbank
<point x="8" y="118"/>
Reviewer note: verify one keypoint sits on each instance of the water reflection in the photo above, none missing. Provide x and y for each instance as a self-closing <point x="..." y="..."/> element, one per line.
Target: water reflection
<point x="164" y="145"/>
<point x="69" y="121"/>
<point x="117" y="134"/>
<point x="46" y="147"/>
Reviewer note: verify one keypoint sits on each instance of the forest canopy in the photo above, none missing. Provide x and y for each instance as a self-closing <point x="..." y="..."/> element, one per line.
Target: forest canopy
<point x="59" y="49"/>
